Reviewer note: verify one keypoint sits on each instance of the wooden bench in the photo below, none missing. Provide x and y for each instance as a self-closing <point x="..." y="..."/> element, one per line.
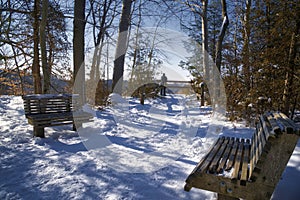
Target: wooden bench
<point x="45" y="110"/>
<point x="247" y="168"/>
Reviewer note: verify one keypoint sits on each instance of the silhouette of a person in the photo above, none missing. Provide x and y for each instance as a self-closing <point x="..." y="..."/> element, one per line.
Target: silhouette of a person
<point x="163" y="83"/>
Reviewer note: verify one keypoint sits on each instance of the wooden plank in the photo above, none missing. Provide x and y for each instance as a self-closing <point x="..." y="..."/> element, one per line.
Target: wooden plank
<point x="275" y="127"/>
<point x="232" y="155"/>
<point x="266" y="128"/>
<point x="225" y="197"/>
<point x="280" y="124"/>
<point x="204" y="157"/>
<point x="41" y="117"/>
<point x="290" y="126"/>
<point x="53" y="107"/>
<point x="49" y="103"/>
<point x="245" y="170"/>
<point x="261" y="137"/>
<point x="55" y="123"/>
<point x="260" y="140"/>
<point x="252" y="157"/>
<point x="57" y="116"/>
<point x="214" y="164"/>
<point x="47" y="108"/>
<point x="48" y="122"/>
<point x="237" y="161"/>
<point x="224" y="159"/>
<point x="210" y="156"/>
<point x="291" y="122"/>
<point x="256" y="145"/>
<point x="48" y="96"/>
<point x="258" y="148"/>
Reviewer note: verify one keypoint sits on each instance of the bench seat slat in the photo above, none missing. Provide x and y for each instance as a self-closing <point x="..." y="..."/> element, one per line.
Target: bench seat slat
<point x="237" y="162"/>
<point x="225" y="157"/>
<point x="205" y="164"/>
<point x="214" y="164"/>
<point x="265" y="126"/>
<point x="262" y="138"/>
<point x="258" y="145"/>
<point x="42" y="117"/>
<point x="232" y="155"/>
<point x="252" y="155"/>
<point x="51" y="123"/>
<point x="246" y="161"/>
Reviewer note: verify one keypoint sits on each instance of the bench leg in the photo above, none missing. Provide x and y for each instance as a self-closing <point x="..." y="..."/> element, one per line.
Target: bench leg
<point x="39" y="132"/>
<point x="78" y="125"/>
<point x="224" y="197"/>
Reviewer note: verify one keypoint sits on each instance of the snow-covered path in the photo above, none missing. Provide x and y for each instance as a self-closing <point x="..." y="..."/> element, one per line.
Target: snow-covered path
<point x="61" y="167"/>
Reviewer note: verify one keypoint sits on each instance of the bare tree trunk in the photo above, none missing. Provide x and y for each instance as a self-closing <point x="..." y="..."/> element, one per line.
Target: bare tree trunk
<point x="36" y="64"/>
<point x="290" y="72"/>
<point x="205" y="39"/>
<point x="98" y="40"/>
<point x="246" y="38"/>
<point x="78" y="48"/>
<point x="45" y="66"/>
<point x="132" y="83"/>
<point x="121" y="47"/>
<point x="217" y="69"/>
<point x="206" y="67"/>
<point x="221" y="35"/>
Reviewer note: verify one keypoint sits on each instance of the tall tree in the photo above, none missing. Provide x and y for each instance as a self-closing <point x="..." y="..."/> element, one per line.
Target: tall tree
<point x="36" y="61"/>
<point x="205" y="41"/>
<point x="246" y="48"/>
<point x="199" y="9"/>
<point x="102" y="15"/>
<point x="291" y="67"/>
<point x="78" y="48"/>
<point x="221" y="35"/>
<point x="218" y="59"/>
<point x="45" y="66"/>
<point x="121" y="47"/>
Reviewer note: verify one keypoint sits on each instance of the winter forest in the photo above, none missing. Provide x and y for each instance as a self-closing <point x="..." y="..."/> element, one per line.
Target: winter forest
<point x="237" y="57"/>
<point x="254" y="44"/>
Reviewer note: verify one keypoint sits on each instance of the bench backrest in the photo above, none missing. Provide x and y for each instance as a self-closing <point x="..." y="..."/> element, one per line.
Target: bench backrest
<point x="49" y="103"/>
<point x="270" y="126"/>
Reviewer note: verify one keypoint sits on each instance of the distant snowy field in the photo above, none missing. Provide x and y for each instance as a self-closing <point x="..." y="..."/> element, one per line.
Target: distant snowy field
<point x="61" y="167"/>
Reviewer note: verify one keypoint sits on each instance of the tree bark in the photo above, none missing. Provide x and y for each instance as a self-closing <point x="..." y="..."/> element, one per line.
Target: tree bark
<point x="205" y="40"/>
<point x="246" y="38"/>
<point x="221" y="35"/>
<point x="217" y="69"/>
<point x="36" y="63"/>
<point x="290" y="71"/>
<point x="78" y="49"/>
<point x="121" y="47"/>
<point x="45" y="66"/>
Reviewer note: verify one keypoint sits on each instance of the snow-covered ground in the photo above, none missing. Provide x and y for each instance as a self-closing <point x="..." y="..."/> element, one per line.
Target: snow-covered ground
<point x="129" y="151"/>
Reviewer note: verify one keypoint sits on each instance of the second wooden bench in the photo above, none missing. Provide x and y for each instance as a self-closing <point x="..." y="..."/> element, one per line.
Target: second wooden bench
<point x="247" y="168"/>
<point x="45" y="110"/>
